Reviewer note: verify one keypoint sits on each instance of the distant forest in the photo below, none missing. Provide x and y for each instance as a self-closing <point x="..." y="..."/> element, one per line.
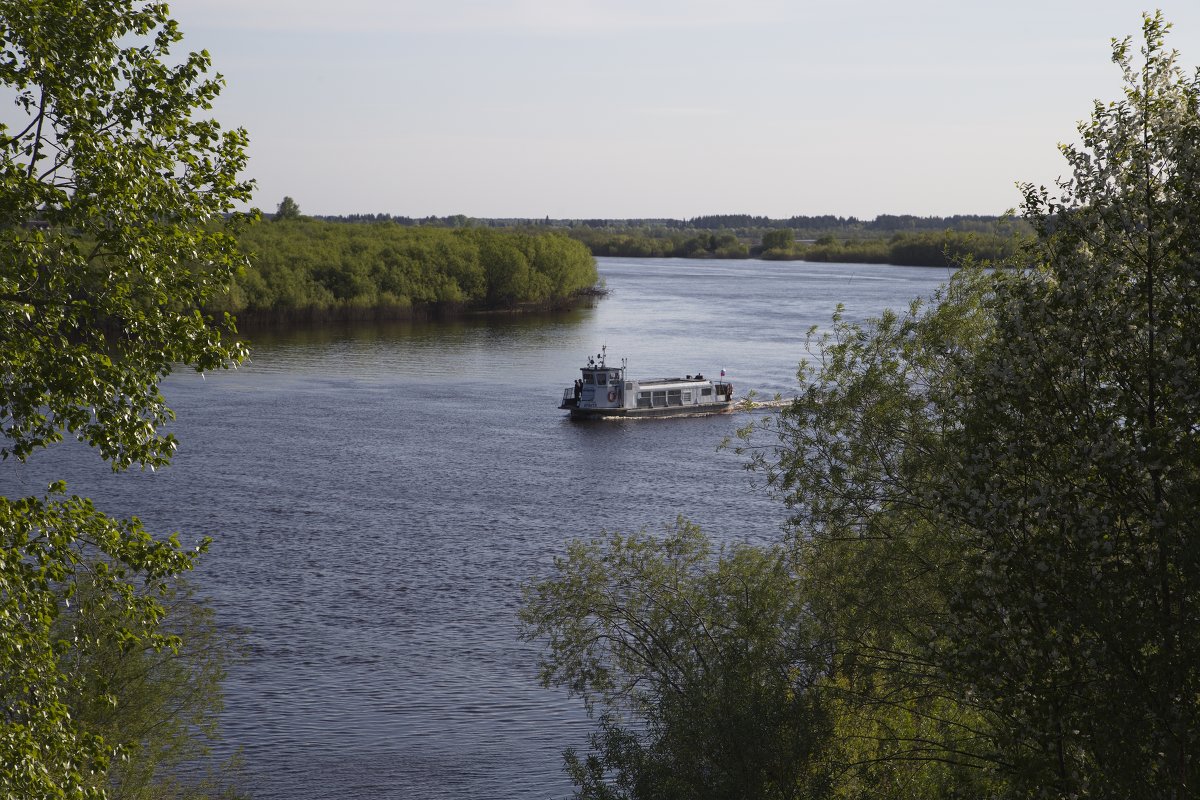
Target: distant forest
<point x="887" y="239"/>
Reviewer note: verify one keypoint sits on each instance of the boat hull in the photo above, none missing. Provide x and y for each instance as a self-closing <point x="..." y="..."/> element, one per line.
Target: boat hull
<point x="662" y="411"/>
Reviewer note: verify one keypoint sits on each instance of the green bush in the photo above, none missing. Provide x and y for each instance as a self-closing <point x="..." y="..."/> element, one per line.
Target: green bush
<point x="314" y="269"/>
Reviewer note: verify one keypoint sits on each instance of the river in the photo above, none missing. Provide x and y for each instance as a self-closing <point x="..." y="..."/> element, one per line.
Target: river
<point x="377" y="495"/>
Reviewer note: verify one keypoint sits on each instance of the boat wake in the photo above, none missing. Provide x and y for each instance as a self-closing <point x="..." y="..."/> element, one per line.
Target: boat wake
<point x="751" y="404"/>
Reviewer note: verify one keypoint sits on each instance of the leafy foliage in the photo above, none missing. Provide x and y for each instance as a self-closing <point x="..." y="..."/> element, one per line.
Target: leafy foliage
<point x="155" y="705"/>
<point x="924" y="249"/>
<point x="312" y="269"/>
<point x="51" y="545"/>
<point x="1082" y="436"/>
<point x="860" y="457"/>
<point x="112" y="239"/>
<point x="661" y="243"/>
<point x="994" y="497"/>
<point x="700" y="662"/>
<point x="782" y="239"/>
<point x="287" y="209"/>
<point x="108" y="191"/>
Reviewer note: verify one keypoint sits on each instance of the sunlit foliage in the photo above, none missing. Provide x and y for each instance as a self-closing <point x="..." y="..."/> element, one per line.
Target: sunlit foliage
<point x="308" y="269"/>
<point x="113" y="238"/>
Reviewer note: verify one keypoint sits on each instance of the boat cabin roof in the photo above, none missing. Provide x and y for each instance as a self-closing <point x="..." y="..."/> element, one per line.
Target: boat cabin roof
<point x="660" y="382"/>
<point x="664" y="381"/>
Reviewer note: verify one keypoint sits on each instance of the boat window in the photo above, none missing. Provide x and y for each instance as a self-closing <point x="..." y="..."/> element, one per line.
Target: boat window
<point x="687" y="397"/>
<point x="643" y="400"/>
<point x="587" y="378"/>
<point x="673" y="397"/>
<point x="629" y="386"/>
<point x="660" y="398"/>
<point x="706" y="391"/>
<point x="601" y="378"/>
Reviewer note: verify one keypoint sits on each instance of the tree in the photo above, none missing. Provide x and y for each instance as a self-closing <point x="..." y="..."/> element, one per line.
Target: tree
<point x="113" y="196"/>
<point x="859" y="457"/>
<point x="287" y="210"/>
<point x="157" y="705"/>
<point x="1078" y="625"/>
<point x="779" y="239"/>
<point x="995" y="497"/>
<point x="700" y="663"/>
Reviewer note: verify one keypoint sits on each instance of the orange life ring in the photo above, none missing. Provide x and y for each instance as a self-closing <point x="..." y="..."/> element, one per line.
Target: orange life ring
<point x="612" y="396"/>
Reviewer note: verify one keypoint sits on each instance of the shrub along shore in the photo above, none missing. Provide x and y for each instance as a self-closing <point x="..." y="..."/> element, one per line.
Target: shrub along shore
<point x="310" y="270"/>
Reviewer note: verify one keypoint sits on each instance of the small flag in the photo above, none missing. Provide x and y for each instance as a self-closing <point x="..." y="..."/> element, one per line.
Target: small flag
<point x="722" y="372"/>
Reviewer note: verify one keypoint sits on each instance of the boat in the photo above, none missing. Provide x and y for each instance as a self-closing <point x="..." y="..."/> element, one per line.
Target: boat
<point x="604" y="391"/>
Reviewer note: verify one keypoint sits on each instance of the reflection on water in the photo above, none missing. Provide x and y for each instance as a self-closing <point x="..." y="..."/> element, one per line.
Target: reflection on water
<point x="378" y="493"/>
<point x="430" y="348"/>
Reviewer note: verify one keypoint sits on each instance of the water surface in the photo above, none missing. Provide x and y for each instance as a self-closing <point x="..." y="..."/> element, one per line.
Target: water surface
<point x="377" y="494"/>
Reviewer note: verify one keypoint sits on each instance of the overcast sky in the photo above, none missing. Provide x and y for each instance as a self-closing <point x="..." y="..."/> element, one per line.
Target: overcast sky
<point x="662" y="108"/>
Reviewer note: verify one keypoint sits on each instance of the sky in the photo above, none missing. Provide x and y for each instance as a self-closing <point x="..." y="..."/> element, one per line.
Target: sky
<point x="662" y="108"/>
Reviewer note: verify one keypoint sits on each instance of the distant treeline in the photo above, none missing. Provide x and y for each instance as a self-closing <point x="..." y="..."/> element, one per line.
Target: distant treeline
<point x="889" y="238"/>
<point x="661" y="243"/>
<point x="805" y="227"/>
<point x="883" y="224"/>
<point x="307" y="269"/>
<point x="928" y="249"/>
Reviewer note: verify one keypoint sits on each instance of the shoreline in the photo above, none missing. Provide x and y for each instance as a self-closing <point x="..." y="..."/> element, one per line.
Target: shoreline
<point x="258" y="319"/>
